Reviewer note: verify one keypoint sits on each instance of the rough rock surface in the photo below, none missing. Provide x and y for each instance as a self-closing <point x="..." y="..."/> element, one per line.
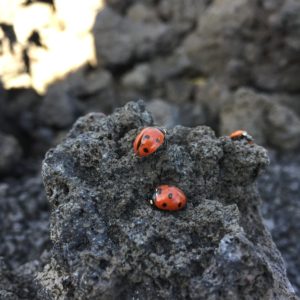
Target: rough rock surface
<point x="280" y="190"/>
<point x="219" y="46"/>
<point x="19" y="283"/>
<point x="24" y="237"/>
<point x="24" y="221"/>
<point x="109" y="243"/>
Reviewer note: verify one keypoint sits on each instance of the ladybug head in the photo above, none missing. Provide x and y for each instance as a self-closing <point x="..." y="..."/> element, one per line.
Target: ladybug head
<point x="153" y="199"/>
<point x="247" y="136"/>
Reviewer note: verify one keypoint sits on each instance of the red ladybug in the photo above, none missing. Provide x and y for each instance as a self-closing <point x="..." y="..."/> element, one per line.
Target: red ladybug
<point x="148" y="141"/>
<point x="168" y="198"/>
<point x="241" y="135"/>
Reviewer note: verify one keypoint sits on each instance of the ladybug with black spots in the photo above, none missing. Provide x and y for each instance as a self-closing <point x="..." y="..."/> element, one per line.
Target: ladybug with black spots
<point x="148" y="141"/>
<point x="168" y="198"/>
<point x="239" y="135"/>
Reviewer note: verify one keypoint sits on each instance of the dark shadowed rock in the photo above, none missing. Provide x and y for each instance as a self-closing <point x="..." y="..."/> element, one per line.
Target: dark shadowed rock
<point x="119" y="5"/>
<point x="280" y="190"/>
<point x="10" y="153"/>
<point x="111" y="244"/>
<point x="18" y="284"/>
<point x="164" y="114"/>
<point x="93" y="87"/>
<point x="58" y="108"/>
<point x="24" y="221"/>
<point x="24" y="237"/>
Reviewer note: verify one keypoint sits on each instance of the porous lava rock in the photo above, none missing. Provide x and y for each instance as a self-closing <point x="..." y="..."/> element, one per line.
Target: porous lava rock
<point x="109" y="243"/>
<point x="279" y="187"/>
<point x="24" y="221"/>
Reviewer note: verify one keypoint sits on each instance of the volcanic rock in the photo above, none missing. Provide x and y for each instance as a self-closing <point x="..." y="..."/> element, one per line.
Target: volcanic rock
<point x="109" y="243"/>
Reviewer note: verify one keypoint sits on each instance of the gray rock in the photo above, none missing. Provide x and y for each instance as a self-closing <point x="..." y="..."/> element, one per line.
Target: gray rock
<point x="179" y="91"/>
<point x="283" y="128"/>
<point x="119" y="40"/>
<point x="245" y="110"/>
<point x="140" y="12"/>
<point x="94" y="88"/>
<point x="111" y="244"/>
<point x="119" y="5"/>
<point x="58" y="109"/>
<point x="11" y="153"/>
<point x="24" y="221"/>
<point x="138" y="78"/>
<point x="19" y="283"/>
<point x="212" y="95"/>
<point x="85" y="82"/>
<point x="191" y="114"/>
<point x="268" y="121"/>
<point x="172" y="66"/>
<point x="249" y="42"/>
<point x="164" y="114"/>
<point x="280" y="189"/>
<point x="182" y="14"/>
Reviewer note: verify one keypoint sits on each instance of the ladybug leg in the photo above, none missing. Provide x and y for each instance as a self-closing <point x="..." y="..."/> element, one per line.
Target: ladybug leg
<point x="163" y="130"/>
<point x="249" y="138"/>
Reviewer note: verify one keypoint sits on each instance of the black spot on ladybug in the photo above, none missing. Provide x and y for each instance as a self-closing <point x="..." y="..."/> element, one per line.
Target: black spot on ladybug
<point x="157" y="140"/>
<point x="146" y="137"/>
<point x="179" y="204"/>
<point x="146" y="150"/>
<point x="164" y="204"/>
<point x="170" y="196"/>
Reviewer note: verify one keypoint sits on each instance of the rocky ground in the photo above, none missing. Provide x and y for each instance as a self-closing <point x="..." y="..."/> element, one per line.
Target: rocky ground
<point x="226" y="64"/>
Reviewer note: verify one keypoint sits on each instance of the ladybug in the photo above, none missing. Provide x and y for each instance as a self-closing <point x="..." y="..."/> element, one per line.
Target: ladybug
<point x="148" y="141"/>
<point x="241" y="135"/>
<point x="168" y="197"/>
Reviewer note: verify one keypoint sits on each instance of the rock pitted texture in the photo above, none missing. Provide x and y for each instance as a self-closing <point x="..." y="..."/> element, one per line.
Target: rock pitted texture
<point x="24" y="221"/>
<point x="109" y="243"/>
<point x="24" y="238"/>
<point x="280" y="189"/>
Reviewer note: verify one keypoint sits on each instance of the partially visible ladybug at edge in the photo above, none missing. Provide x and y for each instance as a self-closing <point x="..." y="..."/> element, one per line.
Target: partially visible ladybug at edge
<point x="240" y="135"/>
<point x="148" y="141"/>
<point x="169" y="198"/>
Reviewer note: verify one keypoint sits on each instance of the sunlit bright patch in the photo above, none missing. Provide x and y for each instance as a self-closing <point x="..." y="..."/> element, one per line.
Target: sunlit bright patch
<point x="65" y="34"/>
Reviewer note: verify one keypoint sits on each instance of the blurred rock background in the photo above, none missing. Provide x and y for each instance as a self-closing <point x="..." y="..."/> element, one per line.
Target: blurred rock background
<point x="229" y="64"/>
